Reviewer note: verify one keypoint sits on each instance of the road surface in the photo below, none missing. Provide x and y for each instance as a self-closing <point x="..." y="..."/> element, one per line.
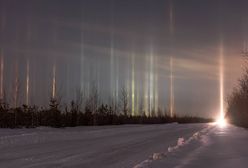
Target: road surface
<point x="122" y="146"/>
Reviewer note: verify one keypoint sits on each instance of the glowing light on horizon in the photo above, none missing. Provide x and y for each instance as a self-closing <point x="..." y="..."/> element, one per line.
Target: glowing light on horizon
<point x="221" y="122"/>
<point x="171" y="89"/>
<point x="27" y="82"/>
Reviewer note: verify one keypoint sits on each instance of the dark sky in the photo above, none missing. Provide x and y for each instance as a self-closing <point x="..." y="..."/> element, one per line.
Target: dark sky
<point x="123" y="43"/>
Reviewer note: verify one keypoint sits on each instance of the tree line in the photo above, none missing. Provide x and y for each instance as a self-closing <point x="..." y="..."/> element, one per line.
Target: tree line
<point x="76" y="114"/>
<point x="237" y="109"/>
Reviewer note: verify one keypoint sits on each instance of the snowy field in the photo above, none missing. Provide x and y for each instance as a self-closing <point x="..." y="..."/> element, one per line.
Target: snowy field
<point x="128" y="146"/>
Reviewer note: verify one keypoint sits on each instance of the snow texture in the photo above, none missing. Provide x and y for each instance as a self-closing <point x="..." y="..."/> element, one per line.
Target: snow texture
<point x="180" y="143"/>
<point x="128" y="146"/>
<point x="213" y="147"/>
<point x="89" y="147"/>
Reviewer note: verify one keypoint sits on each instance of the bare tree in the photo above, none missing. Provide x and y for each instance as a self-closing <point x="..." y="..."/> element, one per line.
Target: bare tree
<point x="80" y="94"/>
<point x="124" y="101"/>
<point x="93" y="101"/>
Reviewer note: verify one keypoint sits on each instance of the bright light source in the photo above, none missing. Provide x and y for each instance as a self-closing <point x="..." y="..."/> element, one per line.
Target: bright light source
<point x="221" y="122"/>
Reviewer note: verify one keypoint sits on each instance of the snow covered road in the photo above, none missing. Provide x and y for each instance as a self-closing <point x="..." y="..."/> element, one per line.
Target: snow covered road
<point x="88" y="147"/>
<point x="219" y="147"/>
<point x="126" y="146"/>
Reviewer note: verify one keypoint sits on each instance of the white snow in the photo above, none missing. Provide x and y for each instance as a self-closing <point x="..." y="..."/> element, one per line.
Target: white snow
<point x="107" y="146"/>
<point x="214" y="147"/>
<point x="126" y="146"/>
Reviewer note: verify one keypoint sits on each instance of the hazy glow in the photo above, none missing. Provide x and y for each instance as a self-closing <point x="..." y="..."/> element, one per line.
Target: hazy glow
<point x="221" y="81"/>
<point x="54" y="82"/>
<point x="82" y="62"/>
<point x="133" y="86"/>
<point x="171" y="62"/>
<point x="16" y="85"/>
<point x="151" y="98"/>
<point x="1" y="77"/>
<point x="171" y="15"/>
<point x="2" y="55"/>
<point x="137" y="98"/>
<point x="156" y="93"/>
<point x="171" y="89"/>
<point x="221" y="122"/>
<point x="145" y="92"/>
<point x="112" y="70"/>
<point x="27" y="83"/>
<point x="117" y="80"/>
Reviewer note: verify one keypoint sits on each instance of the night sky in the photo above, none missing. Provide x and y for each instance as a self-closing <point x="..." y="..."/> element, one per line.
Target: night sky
<point x="114" y="44"/>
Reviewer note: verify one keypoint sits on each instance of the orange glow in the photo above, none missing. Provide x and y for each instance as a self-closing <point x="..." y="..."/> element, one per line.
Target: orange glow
<point x="221" y="82"/>
<point x="221" y="122"/>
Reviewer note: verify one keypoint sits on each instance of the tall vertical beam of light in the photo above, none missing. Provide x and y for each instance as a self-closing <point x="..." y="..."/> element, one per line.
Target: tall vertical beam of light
<point x="171" y="88"/>
<point x="137" y="88"/>
<point x="156" y="89"/>
<point x="172" y="29"/>
<point x="54" y="82"/>
<point x="112" y="70"/>
<point x="16" y="85"/>
<point x="221" y="80"/>
<point x="54" y="66"/>
<point x="133" y="84"/>
<point x="112" y="64"/>
<point x="137" y="100"/>
<point x="2" y="55"/>
<point x="28" y="63"/>
<point x="146" y="88"/>
<point x="113" y="74"/>
<point x="98" y="75"/>
<point x="128" y="81"/>
<point x="117" y="78"/>
<point x="27" y="81"/>
<point x="151" y="83"/>
<point x="1" y="75"/>
<point x="82" y="59"/>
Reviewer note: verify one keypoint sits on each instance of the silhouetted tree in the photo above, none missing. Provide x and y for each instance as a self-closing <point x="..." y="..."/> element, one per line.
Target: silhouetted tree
<point x="124" y="101"/>
<point x="55" y="115"/>
<point x="237" y="111"/>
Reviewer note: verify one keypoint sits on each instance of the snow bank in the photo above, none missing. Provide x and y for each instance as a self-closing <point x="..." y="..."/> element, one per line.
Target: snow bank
<point x="198" y="136"/>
